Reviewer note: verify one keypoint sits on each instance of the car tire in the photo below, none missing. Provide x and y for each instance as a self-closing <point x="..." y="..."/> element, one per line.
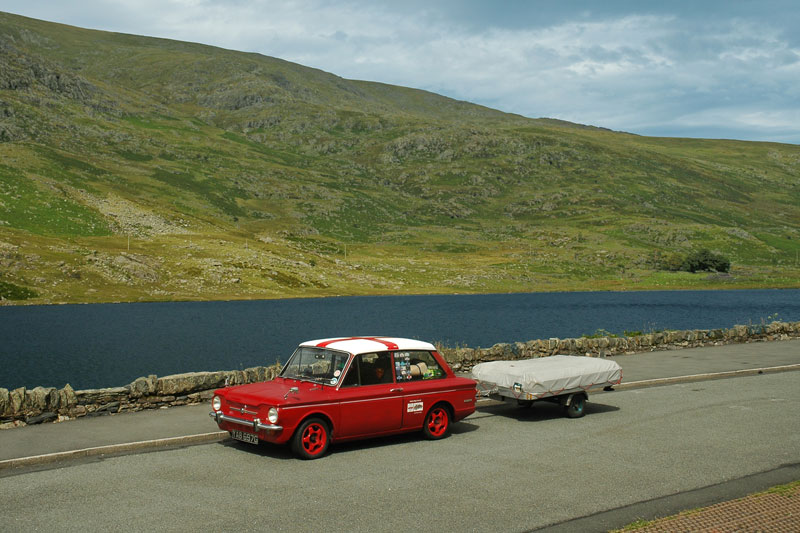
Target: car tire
<point x="576" y="406"/>
<point x="437" y="423"/>
<point x="311" y="440"/>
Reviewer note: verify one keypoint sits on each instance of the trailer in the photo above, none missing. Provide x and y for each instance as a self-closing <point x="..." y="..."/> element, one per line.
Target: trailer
<point x="562" y="379"/>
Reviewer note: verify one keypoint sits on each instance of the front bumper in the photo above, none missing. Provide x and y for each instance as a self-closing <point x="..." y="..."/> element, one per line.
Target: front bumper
<point x="254" y="425"/>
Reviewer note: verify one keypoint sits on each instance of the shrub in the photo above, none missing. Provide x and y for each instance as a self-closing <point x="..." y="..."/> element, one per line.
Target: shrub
<point x="697" y="261"/>
<point x="705" y="260"/>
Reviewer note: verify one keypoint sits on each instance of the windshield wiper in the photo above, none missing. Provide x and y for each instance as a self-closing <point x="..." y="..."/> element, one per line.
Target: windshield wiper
<point x="309" y="379"/>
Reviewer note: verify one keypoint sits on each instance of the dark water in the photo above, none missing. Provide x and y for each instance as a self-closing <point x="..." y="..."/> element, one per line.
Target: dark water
<point x="104" y="345"/>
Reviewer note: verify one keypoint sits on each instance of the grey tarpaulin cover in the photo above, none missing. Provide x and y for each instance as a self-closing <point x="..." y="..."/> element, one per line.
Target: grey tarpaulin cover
<point x="548" y="376"/>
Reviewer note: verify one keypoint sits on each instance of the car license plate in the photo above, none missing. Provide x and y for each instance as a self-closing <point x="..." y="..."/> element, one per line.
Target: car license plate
<point x="244" y="436"/>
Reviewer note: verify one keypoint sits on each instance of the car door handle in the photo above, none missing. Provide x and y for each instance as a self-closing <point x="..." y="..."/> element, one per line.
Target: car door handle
<point x="398" y="389"/>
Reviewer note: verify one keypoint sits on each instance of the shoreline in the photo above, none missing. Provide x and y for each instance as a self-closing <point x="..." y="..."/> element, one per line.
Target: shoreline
<point x="711" y="287"/>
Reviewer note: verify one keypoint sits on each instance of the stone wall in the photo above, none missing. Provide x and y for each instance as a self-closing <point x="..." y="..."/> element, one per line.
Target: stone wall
<point x="45" y="404"/>
<point x="465" y="358"/>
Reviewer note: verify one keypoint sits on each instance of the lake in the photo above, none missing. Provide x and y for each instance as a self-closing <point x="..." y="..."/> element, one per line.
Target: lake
<point x="105" y="345"/>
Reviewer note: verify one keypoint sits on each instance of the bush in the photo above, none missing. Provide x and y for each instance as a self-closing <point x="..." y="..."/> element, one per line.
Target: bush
<point x="705" y="260"/>
<point x="697" y="261"/>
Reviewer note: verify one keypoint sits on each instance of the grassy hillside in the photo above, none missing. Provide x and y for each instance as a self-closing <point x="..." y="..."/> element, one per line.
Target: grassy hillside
<point x="135" y="168"/>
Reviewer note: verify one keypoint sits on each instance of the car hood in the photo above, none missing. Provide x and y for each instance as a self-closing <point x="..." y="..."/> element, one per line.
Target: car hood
<point x="276" y="392"/>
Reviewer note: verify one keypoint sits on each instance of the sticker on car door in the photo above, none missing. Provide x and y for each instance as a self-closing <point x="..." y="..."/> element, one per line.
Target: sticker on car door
<point x="414" y="406"/>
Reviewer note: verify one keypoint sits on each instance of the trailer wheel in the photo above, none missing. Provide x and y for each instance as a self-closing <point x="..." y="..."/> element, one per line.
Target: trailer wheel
<point x="573" y="406"/>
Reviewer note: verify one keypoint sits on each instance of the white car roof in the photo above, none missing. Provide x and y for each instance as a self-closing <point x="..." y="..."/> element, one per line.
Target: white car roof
<point x="358" y="345"/>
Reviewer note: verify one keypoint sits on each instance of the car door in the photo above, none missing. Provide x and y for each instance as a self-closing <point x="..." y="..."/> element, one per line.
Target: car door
<point x="370" y="402"/>
<point x="419" y="375"/>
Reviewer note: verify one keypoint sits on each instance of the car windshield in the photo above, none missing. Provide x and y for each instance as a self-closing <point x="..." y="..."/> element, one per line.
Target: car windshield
<point x="316" y="364"/>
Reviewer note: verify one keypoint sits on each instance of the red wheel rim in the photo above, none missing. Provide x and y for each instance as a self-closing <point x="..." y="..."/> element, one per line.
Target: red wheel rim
<point x="314" y="438"/>
<point x="437" y="423"/>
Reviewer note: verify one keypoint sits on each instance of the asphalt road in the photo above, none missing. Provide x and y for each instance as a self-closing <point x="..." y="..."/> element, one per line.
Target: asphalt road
<point x="503" y="469"/>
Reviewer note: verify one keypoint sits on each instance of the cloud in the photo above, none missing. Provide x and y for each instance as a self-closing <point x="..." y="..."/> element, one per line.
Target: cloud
<point x="670" y="69"/>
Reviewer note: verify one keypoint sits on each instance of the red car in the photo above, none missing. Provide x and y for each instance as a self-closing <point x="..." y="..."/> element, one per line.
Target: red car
<point x="348" y="388"/>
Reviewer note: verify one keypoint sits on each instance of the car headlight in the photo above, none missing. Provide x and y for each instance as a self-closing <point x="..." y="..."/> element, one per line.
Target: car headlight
<point x="216" y="403"/>
<point x="273" y="415"/>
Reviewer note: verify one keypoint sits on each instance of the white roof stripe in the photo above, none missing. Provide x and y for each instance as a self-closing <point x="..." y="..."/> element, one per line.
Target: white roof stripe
<point x="358" y="345"/>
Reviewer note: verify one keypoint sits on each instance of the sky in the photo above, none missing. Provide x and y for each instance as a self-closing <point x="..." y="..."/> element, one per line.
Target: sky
<point x="709" y="69"/>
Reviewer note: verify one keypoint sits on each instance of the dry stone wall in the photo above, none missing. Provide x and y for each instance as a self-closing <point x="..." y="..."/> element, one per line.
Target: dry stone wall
<point x="45" y="404"/>
<point x="465" y="358"/>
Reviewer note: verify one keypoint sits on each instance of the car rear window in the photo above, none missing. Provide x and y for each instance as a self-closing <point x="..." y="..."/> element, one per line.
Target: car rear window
<point x="416" y="365"/>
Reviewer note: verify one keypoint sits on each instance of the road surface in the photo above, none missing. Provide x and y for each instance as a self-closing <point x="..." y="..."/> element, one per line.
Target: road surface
<point x="503" y="469"/>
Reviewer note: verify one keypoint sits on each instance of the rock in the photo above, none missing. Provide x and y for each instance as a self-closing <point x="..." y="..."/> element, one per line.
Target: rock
<point x="66" y="397"/>
<point x="41" y="399"/>
<point x="189" y="382"/>
<point x="234" y="377"/>
<point x="112" y="407"/>
<point x="101" y="396"/>
<point x="17" y="400"/>
<point x="5" y="402"/>
<point x="155" y="399"/>
<point x="47" y="416"/>
<point x="143" y="386"/>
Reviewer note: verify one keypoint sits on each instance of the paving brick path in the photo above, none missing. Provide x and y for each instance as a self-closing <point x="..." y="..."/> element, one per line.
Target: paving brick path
<point x="763" y="512"/>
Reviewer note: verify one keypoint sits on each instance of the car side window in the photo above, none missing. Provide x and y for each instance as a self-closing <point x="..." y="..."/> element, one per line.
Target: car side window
<point x="351" y="378"/>
<point x="416" y="365"/>
<point x="369" y="369"/>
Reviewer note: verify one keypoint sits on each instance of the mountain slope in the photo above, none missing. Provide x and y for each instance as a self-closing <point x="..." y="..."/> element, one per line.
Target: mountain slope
<point x="142" y="168"/>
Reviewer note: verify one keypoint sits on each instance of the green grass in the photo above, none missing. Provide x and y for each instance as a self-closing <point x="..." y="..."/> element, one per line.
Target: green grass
<point x="44" y="211"/>
<point x="9" y="291"/>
